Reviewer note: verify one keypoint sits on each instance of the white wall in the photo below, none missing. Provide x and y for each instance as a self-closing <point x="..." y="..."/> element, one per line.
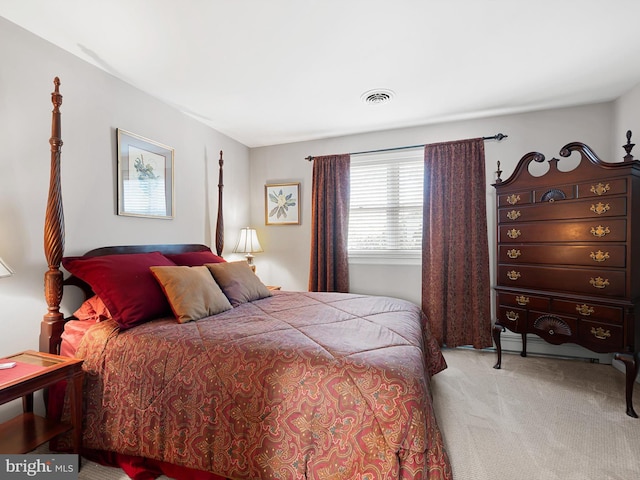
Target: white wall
<point x="286" y="258"/>
<point x="94" y="105"/>
<point x="627" y="117"/>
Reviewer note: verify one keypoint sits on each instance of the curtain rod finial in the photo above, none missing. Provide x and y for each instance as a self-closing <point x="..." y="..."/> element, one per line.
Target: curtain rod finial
<point x="497" y="136"/>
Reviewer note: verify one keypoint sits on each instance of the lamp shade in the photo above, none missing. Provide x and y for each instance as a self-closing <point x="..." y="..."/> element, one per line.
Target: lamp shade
<point x="248" y="242"/>
<point x="5" y="270"/>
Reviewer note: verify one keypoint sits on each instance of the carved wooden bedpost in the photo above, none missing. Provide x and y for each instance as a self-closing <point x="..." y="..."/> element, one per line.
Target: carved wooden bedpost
<point x="53" y="321"/>
<point x="220" y="221"/>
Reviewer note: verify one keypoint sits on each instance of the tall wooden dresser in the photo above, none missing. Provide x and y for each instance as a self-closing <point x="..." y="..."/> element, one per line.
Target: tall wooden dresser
<point x="568" y="255"/>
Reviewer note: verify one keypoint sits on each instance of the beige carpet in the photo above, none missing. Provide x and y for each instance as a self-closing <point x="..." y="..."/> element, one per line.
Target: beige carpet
<point x="535" y="419"/>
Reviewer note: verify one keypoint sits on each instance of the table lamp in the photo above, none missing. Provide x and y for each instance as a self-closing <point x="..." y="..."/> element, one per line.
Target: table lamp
<point x="248" y="243"/>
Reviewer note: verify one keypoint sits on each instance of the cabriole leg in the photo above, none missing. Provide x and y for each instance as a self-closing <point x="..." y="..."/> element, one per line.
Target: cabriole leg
<point x="497" y="330"/>
<point x="631" y="367"/>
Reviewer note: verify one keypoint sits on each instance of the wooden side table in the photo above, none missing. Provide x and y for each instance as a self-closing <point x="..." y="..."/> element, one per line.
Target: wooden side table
<point x="35" y="371"/>
<point x="274" y="287"/>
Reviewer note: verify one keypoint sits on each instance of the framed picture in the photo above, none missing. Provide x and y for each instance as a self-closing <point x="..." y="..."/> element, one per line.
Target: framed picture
<point x="282" y="204"/>
<point x="145" y="177"/>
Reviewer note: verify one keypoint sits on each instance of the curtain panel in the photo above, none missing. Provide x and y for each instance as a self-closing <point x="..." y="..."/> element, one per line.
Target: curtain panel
<point x="329" y="263"/>
<point x="456" y="291"/>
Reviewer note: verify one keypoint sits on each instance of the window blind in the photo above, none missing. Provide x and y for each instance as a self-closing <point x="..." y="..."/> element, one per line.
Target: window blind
<point x="385" y="212"/>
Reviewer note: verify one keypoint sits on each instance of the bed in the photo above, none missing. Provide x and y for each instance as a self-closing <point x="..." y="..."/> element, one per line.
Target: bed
<point x="195" y="369"/>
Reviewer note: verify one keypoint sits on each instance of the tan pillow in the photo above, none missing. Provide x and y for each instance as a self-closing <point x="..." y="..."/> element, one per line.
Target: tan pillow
<point x="238" y="282"/>
<point x="191" y="291"/>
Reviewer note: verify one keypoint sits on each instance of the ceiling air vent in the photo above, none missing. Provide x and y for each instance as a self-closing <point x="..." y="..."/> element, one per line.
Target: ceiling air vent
<point x="377" y="97"/>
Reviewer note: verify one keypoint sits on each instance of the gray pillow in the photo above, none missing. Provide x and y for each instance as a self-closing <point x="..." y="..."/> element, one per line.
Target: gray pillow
<point x="238" y="282"/>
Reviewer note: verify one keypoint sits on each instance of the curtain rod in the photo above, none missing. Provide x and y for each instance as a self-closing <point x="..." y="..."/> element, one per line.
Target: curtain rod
<point x="498" y="137"/>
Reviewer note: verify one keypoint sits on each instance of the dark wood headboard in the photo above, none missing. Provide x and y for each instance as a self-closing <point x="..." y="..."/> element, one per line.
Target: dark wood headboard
<point x="169" y="248"/>
<point x="52" y="324"/>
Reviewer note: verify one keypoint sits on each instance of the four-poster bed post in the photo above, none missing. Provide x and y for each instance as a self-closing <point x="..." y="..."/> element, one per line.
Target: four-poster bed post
<point x="220" y="221"/>
<point x="53" y="321"/>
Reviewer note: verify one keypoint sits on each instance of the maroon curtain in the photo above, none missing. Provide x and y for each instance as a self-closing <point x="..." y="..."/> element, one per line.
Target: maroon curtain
<point x="329" y="267"/>
<point x="456" y="293"/>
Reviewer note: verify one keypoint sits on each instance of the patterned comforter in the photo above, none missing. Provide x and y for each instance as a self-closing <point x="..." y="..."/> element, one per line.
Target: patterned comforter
<point x="294" y="386"/>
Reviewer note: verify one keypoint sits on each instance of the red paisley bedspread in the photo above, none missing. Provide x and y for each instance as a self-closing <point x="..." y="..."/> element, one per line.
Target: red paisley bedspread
<point x="298" y="385"/>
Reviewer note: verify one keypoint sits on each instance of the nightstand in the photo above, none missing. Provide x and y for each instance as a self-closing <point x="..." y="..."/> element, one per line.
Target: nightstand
<point x="35" y="371"/>
<point x="274" y="287"/>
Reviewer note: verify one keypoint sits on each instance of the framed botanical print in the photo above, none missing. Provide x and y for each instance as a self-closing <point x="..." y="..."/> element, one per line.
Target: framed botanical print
<point x="282" y="204"/>
<point x="145" y="177"/>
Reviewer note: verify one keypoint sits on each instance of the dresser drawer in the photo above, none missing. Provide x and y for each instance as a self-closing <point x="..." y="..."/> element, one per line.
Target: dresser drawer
<point x="609" y="283"/>
<point x="601" y="337"/>
<point x="596" y="230"/>
<point x="559" y="210"/>
<point x="589" y="256"/>
<point x="515" y="198"/>
<point x="589" y="311"/>
<point x="513" y="318"/>
<point x="552" y="327"/>
<point x="604" y="188"/>
<point x="523" y="300"/>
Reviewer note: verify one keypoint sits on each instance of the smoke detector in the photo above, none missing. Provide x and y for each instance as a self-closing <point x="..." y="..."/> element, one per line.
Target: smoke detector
<point x="378" y="96"/>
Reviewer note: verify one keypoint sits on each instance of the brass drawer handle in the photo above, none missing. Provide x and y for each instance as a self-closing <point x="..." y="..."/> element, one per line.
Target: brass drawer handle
<point x="600" y="189"/>
<point x="522" y="300"/>
<point x="513" y="199"/>
<point x="599" y="256"/>
<point x="600" y="333"/>
<point x="513" y="214"/>
<point x="513" y="233"/>
<point x="600" y="208"/>
<point x="599" y="282"/>
<point x="585" y="310"/>
<point x="513" y="253"/>
<point x="600" y="231"/>
<point x="513" y="275"/>
<point x="513" y="316"/>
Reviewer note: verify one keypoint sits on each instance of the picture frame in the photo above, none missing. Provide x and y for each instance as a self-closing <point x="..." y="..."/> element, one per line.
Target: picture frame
<point x="145" y="177"/>
<point x="282" y="204"/>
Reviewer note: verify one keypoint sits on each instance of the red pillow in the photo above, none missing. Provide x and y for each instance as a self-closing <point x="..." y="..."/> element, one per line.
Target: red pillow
<point x="125" y="284"/>
<point x="195" y="259"/>
<point x="92" y="309"/>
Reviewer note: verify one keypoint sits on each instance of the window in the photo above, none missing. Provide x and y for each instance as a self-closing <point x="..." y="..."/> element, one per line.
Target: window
<point x="385" y="212"/>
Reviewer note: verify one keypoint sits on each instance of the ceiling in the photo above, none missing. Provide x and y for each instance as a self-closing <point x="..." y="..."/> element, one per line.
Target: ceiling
<point x="266" y="72"/>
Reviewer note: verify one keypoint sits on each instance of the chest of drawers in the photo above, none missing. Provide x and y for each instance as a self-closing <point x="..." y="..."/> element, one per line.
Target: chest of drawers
<point x="568" y="256"/>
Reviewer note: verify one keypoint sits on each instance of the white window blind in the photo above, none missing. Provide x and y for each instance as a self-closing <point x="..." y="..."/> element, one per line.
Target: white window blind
<point x="385" y="212"/>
